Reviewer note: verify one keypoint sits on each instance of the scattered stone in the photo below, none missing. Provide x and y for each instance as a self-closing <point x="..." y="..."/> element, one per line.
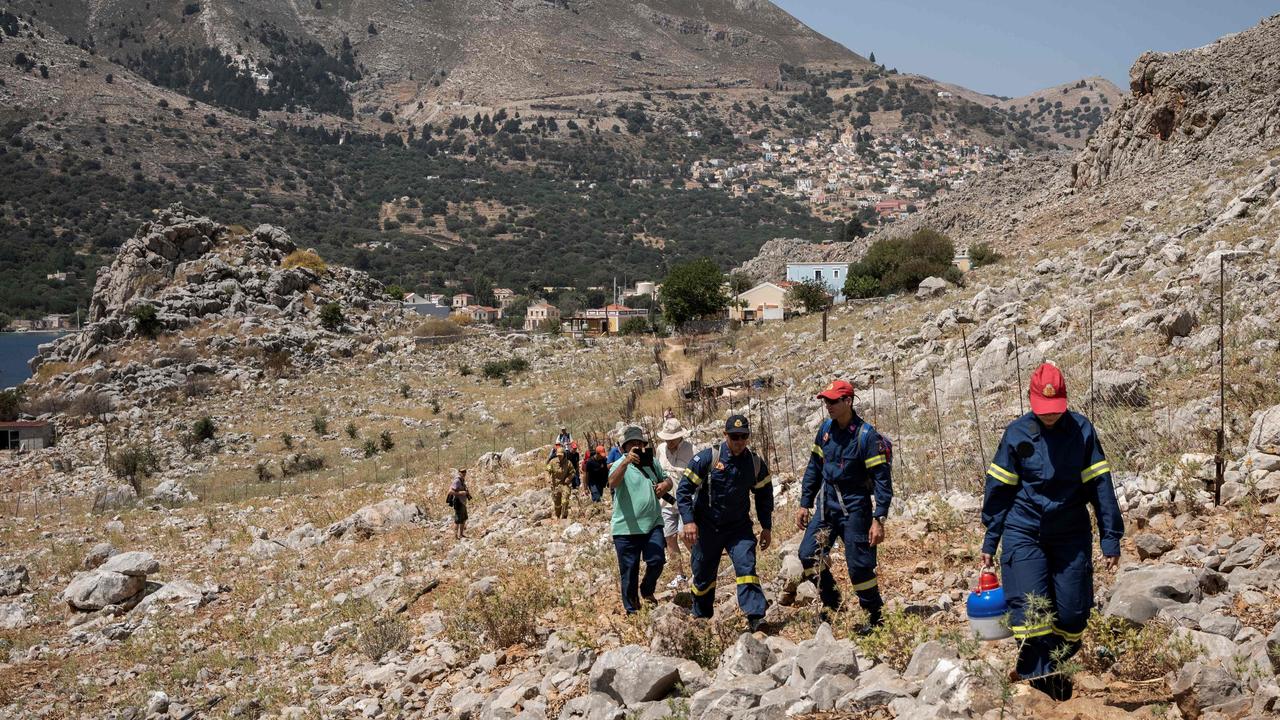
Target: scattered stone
<point x="13" y="580"/>
<point x="1151" y="545"/>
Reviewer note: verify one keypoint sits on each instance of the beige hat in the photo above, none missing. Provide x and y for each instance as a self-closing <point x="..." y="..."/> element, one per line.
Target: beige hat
<point x="672" y="430"/>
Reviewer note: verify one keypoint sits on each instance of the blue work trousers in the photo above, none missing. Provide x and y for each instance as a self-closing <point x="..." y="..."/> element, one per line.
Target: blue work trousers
<point x="650" y="547"/>
<point x="740" y="543"/>
<point x="1059" y="569"/>
<point x="825" y="527"/>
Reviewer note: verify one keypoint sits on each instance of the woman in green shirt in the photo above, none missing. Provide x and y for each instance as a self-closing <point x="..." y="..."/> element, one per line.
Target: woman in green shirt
<point x="637" y="519"/>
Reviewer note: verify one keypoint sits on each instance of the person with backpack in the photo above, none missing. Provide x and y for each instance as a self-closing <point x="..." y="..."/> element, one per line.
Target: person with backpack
<point x="714" y="498"/>
<point x="1048" y="469"/>
<point x="457" y="499"/>
<point x="559" y="472"/>
<point x="849" y="466"/>
<point x="637" y="520"/>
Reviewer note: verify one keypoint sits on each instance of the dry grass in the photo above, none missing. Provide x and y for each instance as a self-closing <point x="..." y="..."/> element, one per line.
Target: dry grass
<point x="308" y="259"/>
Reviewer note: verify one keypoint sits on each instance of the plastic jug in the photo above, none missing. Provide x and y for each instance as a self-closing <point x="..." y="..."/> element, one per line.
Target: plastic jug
<point x="986" y="608"/>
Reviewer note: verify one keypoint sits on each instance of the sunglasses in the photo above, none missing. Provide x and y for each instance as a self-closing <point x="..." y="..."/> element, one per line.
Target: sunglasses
<point x="829" y="401"/>
<point x="739" y="436"/>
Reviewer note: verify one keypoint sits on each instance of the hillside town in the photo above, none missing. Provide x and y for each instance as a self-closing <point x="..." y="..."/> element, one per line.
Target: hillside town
<point x="885" y="177"/>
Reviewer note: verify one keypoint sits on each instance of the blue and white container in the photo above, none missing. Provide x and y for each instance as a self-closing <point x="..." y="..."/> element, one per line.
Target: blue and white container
<point x="986" y="609"/>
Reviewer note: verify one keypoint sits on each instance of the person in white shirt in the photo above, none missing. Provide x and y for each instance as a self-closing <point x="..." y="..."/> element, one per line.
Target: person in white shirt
<point x="673" y="455"/>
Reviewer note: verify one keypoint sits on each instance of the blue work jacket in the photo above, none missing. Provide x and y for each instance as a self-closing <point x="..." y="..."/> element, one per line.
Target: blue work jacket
<point x="1042" y="479"/>
<point x="849" y="467"/>
<point x="716" y="492"/>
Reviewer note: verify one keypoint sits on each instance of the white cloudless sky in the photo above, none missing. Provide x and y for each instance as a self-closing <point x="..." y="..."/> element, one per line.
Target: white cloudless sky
<point x="1012" y="47"/>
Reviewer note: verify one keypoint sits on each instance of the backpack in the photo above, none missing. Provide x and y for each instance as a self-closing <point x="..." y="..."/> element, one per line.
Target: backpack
<point x="715" y="455"/>
<point x="448" y="498"/>
<point x="883" y="441"/>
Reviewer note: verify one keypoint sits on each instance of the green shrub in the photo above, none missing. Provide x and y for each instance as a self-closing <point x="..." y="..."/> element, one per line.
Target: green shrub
<point x="983" y="254"/>
<point x="331" y="316"/>
<point x="145" y="316"/>
<point x="384" y="440"/>
<point x="203" y="429"/>
<point x="352" y="431"/>
<point x="319" y="424"/>
<point x="300" y="463"/>
<point x="132" y="463"/>
<point x="899" y="264"/>
<point x="861" y="286"/>
<point x="812" y="294"/>
<point x="634" y="326"/>
<point x="370" y="448"/>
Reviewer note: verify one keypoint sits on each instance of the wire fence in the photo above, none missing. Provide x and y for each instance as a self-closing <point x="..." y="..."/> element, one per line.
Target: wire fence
<point x="946" y="419"/>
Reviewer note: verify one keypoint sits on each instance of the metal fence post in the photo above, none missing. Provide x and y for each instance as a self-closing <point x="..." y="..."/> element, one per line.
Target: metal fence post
<point x="973" y="394"/>
<point x="937" y="413"/>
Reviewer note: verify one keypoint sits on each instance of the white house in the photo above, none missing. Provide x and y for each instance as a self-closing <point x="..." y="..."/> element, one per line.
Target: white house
<point x="830" y="274"/>
<point x="763" y="302"/>
<point x="462" y="300"/>
<point x="539" y="313"/>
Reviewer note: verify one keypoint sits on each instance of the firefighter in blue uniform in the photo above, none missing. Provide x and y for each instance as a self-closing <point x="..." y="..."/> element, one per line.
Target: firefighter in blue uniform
<point x="1048" y="468"/>
<point x="714" y="499"/>
<point x="849" y="466"/>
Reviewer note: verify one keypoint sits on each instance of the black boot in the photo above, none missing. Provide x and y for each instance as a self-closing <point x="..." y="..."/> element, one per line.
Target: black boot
<point x="754" y="623"/>
<point x="1058" y="687"/>
<point x="874" y="621"/>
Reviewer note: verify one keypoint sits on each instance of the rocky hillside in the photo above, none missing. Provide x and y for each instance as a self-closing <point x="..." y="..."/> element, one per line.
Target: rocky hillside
<point x="474" y="51"/>
<point x="294" y="558"/>
<point x="1203" y="107"/>
<point x="1068" y="113"/>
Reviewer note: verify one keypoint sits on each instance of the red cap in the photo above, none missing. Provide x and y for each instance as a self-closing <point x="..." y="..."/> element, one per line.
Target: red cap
<point x="573" y="445"/>
<point x="836" y="390"/>
<point x="1048" y="391"/>
<point x="599" y="449"/>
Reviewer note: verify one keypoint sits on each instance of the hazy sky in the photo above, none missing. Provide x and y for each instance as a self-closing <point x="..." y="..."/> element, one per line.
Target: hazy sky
<point x="1014" y="47"/>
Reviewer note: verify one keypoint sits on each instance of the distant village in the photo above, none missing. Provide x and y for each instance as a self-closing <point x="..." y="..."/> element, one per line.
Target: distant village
<point x="765" y="302"/>
<point x="839" y="172"/>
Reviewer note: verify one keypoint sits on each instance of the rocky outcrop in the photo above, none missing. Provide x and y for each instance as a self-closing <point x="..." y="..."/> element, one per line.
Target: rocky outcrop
<point x="1206" y="103"/>
<point x="192" y="270"/>
<point x="770" y="264"/>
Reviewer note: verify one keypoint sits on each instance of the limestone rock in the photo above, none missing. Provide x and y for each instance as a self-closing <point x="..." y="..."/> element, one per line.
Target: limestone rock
<point x="630" y="674"/>
<point x="1139" y="593"/>
<point x="96" y="589"/>
<point x="378" y="517"/>
<point x="135" y="563"/>
<point x="931" y="287"/>
<point x="13" y="580"/>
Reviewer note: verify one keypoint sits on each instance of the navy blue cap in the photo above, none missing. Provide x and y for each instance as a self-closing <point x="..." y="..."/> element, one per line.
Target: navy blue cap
<point x="737" y="424"/>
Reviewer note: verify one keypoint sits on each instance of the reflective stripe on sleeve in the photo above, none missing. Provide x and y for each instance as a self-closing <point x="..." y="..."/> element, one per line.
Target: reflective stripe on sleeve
<point x="689" y="473"/>
<point x="767" y="479"/>
<point x="818" y="451"/>
<point x="1001" y="474"/>
<point x="874" y="461"/>
<point x="1094" y="470"/>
